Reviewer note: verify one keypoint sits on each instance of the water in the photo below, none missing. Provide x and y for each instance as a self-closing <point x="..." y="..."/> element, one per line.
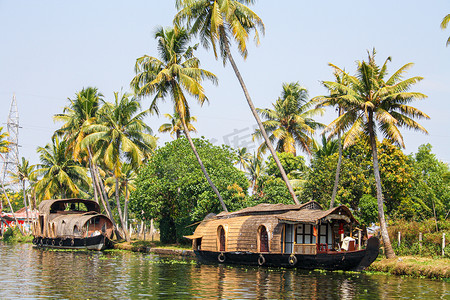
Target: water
<point x="29" y="273"/>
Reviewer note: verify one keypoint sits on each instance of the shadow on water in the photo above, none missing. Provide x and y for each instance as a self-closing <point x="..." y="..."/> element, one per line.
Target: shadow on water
<point x="31" y="273"/>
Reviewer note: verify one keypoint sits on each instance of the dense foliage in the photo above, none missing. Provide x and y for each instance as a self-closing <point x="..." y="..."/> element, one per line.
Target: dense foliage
<point x="171" y="188"/>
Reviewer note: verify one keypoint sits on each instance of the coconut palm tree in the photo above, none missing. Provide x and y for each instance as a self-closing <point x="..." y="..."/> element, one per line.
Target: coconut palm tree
<point x="243" y="158"/>
<point x="62" y="176"/>
<point x="175" y="74"/>
<point x="289" y="123"/>
<point x="221" y="21"/>
<point x="327" y="147"/>
<point x="175" y="126"/>
<point x="121" y="133"/>
<point x="444" y="24"/>
<point x="82" y="112"/>
<point x="126" y="186"/>
<point x="334" y="99"/>
<point x="374" y="103"/>
<point x="25" y="172"/>
<point x="255" y="169"/>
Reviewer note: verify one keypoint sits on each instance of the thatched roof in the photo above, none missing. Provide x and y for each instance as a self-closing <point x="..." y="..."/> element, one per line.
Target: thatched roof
<point x="265" y="208"/>
<point x="47" y="206"/>
<point x="314" y="215"/>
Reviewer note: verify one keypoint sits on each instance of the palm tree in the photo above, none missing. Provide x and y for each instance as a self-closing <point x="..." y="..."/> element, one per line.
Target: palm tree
<point x="444" y="24"/>
<point x="327" y="147"/>
<point x="176" y="73"/>
<point x="122" y="133"/>
<point x="373" y="103"/>
<point x="126" y="186"/>
<point x="25" y="173"/>
<point x="221" y="21"/>
<point x="243" y="158"/>
<point x="3" y="141"/>
<point x="334" y="99"/>
<point x="82" y="112"/>
<point x="289" y="123"/>
<point x="175" y="126"/>
<point x="255" y="169"/>
<point x="62" y="176"/>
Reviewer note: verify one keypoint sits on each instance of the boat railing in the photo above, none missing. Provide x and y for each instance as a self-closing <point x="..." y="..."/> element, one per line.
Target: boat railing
<point x="305" y="248"/>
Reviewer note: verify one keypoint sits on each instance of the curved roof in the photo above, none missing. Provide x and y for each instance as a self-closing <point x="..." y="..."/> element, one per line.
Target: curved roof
<point x="265" y="208"/>
<point x="46" y="206"/>
<point x="313" y="215"/>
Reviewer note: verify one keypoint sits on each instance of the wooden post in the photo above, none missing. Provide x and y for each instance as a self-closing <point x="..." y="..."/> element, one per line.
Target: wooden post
<point x="443" y="243"/>
<point x="399" y="238"/>
<point x="420" y="241"/>
<point x="359" y="239"/>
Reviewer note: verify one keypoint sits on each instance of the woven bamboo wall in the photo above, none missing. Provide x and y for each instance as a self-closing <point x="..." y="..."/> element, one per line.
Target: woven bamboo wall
<point x="241" y="233"/>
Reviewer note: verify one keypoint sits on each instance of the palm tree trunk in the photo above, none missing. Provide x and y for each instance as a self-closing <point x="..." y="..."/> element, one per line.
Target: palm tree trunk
<point x="25" y="201"/>
<point x="338" y="168"/>
<point x="376" y="171"/>
<point x="260" y="125"/>
<point x="93" y="181"/>
<point x="104" y="198"/>
<point x="119" y="209"/>
<point x="188" y="136"/>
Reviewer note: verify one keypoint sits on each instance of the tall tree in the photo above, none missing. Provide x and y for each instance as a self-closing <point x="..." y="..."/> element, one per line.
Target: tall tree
<point x="221" y="21"/>
<point x="175" y="126"/>
<point x="174" y="74"/>
<point x="290" y="122"/>
<point x="373" y="103"/>
<point x="83" y="111"/>
<point x="62" y="176"/>
<point x="121" y="133"/>
<point x="333" y="99"/>
<point x="444" y="23"/>
<point x="25" y="172"/>
<point x="243" y="158"/>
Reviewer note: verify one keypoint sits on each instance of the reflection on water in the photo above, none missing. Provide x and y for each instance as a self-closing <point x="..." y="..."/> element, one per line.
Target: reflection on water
<point x="29" y="273"/>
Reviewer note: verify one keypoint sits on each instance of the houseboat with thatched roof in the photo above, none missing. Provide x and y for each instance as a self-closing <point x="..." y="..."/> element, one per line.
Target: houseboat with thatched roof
<point x="302" y="236"/>
<point x="72" y="224"/>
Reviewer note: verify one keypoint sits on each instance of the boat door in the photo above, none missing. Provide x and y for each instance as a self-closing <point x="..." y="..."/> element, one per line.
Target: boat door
<point x="288" y="238"/>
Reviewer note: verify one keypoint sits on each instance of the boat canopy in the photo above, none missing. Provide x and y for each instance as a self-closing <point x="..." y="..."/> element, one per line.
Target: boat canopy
<point x="51" y="206"/>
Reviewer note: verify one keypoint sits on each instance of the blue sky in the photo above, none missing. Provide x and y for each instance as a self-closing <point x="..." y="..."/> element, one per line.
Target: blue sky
<point x="52" y="49"/>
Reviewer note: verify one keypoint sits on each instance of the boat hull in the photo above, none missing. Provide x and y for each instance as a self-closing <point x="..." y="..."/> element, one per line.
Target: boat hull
<point x="99" y="242"/>
<point x="332" y="260"/>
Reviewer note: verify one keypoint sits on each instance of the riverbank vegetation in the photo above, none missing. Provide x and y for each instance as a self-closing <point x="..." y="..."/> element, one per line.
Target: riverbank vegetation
<point x="104" y="149"/>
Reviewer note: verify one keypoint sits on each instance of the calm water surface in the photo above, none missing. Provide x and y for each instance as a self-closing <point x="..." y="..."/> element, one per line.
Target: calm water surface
<point x="29" y="273"/>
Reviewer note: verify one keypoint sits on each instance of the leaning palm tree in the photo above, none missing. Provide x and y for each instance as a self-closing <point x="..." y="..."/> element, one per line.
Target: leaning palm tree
<point x="174" y="74"/>
<point x="221" y="21"/>
<point x="175" y="126"/>
<point x="374" y="103"/>
<point x="62" y="176"/>
<point x="290" y="123"/>
<point x="444" y="24"/>
<point x="122" y="133"/>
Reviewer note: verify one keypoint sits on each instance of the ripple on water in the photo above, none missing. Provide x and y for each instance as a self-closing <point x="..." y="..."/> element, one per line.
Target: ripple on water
<point x="29" y="273"/>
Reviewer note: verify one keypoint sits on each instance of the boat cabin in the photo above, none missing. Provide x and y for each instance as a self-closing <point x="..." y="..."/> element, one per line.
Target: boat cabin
<point x="71" y="218"/>
<point x="277" y="228"/>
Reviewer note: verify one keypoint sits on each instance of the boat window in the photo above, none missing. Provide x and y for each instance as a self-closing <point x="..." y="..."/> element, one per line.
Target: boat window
<point x="263" y="240"/>
<point x="305" y="234"/>
<point x="288" y="238"/>
<point x="76" y="206"/>
<point x="41" y="222"/>
<point x="221" y="237"/>
<point x="76" y="231"/>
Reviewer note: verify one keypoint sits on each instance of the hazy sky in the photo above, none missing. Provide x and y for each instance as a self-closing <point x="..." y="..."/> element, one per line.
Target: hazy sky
<point x="49" y="50"/>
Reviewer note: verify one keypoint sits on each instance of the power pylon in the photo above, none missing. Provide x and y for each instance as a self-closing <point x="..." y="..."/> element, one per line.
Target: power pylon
<point x="11" y="163"/>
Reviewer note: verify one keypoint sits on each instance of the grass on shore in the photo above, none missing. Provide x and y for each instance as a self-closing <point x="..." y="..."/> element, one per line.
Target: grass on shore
<point x="434" y="268"/>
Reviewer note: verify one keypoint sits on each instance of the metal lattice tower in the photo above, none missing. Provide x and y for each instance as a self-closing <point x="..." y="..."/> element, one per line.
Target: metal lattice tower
<point x="11" y="163"/>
